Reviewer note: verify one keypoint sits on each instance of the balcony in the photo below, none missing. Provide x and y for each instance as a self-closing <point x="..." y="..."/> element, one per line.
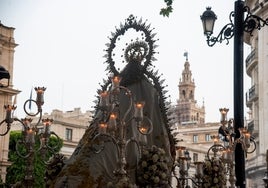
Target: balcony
<point x="251" y="61"/>
<point x="251" y="95"/>
<point x="253" y="127"/>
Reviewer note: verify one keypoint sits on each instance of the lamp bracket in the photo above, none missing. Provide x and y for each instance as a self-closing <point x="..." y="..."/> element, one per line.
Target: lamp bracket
<point x="226" y="33"/>
<point x="251" y="22"/>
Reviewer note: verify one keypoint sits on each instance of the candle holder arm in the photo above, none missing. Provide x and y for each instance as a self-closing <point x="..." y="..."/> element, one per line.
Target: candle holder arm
<point x="110" y="138"/>
<point x="7" y="129"/>
<point x="20" y="143"/>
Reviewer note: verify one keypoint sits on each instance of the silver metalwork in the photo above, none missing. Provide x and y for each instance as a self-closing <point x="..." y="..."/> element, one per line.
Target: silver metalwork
<point x="31" y="133"/>
<point x="183" y="164"/>
<point x="219" y="153"/>
<point x="113" y="126"/>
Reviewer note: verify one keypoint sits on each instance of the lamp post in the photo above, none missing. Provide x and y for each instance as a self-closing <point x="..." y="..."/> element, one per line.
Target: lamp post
<point x="235" y="29"/>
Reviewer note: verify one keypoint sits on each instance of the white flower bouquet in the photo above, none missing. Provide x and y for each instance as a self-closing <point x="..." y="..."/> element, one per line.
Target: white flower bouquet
<point x="153" y="170"/>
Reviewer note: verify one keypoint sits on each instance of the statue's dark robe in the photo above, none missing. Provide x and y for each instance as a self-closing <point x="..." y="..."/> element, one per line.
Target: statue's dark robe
<point x="88" y="169"/>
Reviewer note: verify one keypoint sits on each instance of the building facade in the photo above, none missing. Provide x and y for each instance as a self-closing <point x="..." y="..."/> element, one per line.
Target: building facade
<point x="257" y="94"/>
<point x="7" y="93"/>
<point x="70" y="126"/>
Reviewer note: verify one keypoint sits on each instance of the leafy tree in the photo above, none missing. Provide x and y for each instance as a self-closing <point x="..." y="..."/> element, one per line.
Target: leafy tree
<point x="16" y="172"/>
<point x="166" y="11"/>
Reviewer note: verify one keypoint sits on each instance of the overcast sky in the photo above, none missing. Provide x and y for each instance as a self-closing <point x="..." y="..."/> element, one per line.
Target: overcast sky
<point x="61" y="45"/>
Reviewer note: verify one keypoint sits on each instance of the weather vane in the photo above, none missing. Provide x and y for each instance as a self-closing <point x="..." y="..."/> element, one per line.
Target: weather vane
<point x="186" y="55"/>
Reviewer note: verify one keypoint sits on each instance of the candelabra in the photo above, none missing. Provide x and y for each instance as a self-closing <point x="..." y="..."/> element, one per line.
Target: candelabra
<point x="113" y="124"/>
<point x="31" y="132"/>
<point x="220" y="156"/>
<point x="225" y="152"/>
<point x="228" y="135"/>
<point x="183" y="163"/>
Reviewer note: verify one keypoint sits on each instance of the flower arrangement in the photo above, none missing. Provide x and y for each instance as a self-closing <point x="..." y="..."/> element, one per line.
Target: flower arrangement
<point x="214" y="174"/>
<point x="153" y="169"/>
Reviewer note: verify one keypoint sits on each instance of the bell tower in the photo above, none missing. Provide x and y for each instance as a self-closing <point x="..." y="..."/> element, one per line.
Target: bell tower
<point x="188" y="111"/>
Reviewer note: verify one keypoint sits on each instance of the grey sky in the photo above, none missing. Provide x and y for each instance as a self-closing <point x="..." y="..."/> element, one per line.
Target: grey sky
<point x="61" y="47"/>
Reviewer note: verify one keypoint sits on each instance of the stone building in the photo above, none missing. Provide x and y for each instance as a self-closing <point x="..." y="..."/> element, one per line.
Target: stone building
<point x="257" y="94"/>
<point x="70" y="126"/>
<point x="7" y="92"/>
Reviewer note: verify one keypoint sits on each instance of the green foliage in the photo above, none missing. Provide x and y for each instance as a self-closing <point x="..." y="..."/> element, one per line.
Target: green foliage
<point x="16" y="171"/>
<point x="166" y="11"/>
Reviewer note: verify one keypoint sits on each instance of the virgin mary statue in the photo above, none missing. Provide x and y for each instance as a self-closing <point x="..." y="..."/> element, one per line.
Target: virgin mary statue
<point x="129" y="142"/>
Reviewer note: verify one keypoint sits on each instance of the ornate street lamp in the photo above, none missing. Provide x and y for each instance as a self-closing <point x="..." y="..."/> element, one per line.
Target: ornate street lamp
<point x="208" y="19"/>
<point x="31" y="132"/>
<point x="235" y="29"/>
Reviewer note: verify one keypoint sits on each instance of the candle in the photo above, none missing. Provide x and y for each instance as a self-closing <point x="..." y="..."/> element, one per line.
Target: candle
<point x="215" y="139"/>
<point x="112" y="122"/>
<point x="102" y="128"/>
<point x="9" y="109"/>
<point x="247" y="139"/>
<point x="46" y="125"/>
<point x="40" y="95"/>
<point x="143" y="130"/>
<point x="224" y="112"/>
<point x="30" y="136"/>
<point x="104" y="99"/>
<point x="142" y="135"/>
<point x="26" y="125"/>
<point x="138" y="111"/>
<point x="199" y="169"/>
<point x="184" y="164"/>
<point x="224" y="155"/>
<point x="227" y="155"/>
<point x="180" y="151"/>
<point x="116" y="83"/>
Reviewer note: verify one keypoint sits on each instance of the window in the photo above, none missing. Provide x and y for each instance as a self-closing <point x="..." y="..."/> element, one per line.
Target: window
<point x="195" y="138"/>
<point x="68" y="134"/>
<point x="183" y="93"/>
<point x="195" y="157"/>
<point x="208" y="138"/>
